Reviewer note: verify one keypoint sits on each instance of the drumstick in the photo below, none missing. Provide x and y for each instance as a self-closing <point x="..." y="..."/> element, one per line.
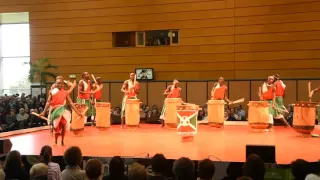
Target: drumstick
<point x="285" y="122"/>
<point x="309" y="90"/>
<point x="94" y="79"/>
<point x="38" y="115"/>
<point x="237" y="101"/>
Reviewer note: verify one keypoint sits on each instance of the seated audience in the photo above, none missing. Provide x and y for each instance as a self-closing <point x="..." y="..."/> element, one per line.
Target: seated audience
<point x="22" y="118"/>
<point x="206" y="169"/>
<point x="93" y="169"/>
<point x="137" y="172"/>
<point x="116" y="169"/>
<point x="159" y="167"/>
<point x="14" y="168"/>
<point x="54" y="172"/>
<point x="300" y="169"/>
<point x="39" y="172"/>
<point x="254" y="167"/>
<point x="183" y="169"/>
<point x="2" y="175"/>
<point x="73" y="159"/>
<point x="11" y="120"/>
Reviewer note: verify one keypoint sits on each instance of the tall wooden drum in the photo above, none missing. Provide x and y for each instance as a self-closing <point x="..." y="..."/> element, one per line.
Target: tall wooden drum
<point x="77" y="122"/>
<point x="216" y="113"/>
<point x="132" y="112"/>
<point x="187" y="124"/>
<point x="258" y="115"/>
<point x="304" y="117"/>
<point x="103" y="115"/>
<point x="171" y="118"/>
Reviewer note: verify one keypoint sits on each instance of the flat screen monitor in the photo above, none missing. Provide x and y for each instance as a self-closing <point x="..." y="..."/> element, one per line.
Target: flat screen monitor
<point x="144" y="74"/>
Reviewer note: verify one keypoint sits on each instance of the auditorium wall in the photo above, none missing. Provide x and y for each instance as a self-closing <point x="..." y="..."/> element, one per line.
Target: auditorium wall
<point x="237" y="39"/>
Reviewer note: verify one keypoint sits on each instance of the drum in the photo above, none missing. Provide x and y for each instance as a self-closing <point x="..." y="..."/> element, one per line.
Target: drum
<point x="216" y="113"/>
<point x="258" y="115"/>
<point x="77" y="122"/>
<point x="103" y="115"/>
<point x="132" y="112"/>
<point x="187" y="124"/>
<point x="304" y="117"/>
<point x="171" y="118"/>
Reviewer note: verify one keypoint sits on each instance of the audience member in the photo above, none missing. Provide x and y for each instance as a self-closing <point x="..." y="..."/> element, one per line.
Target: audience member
<point x="54" y="172"/>
<point x="300" y="169"/>
<point x="159" y="167"/>
<point x="73" y="159"/>
<point x="39" y="172"/>
<point x="116" y="169"/>
<point x="2" y="175"/>
<point x="93" y="169"/>
<point x="183" y="169"/>
<point x="14" y="168"/>
<point x="137" y="172"/>
<point x="206" y="169"/>
<point x="254" y="167"/>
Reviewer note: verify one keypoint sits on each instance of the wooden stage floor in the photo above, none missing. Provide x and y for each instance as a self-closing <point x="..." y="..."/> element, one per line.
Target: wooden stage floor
<point x="227" y="144"/>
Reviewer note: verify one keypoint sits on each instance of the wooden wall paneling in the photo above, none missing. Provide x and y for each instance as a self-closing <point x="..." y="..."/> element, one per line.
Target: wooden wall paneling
<point x="303" y="90"/>
<point x="255" y="89"/>
<point x="143" y="92"/>
<point x="277" y="55"/>
<point x="278" y="65"/>
<point x="121" y="52"/>
<point x="278" y="37"/>
<point x="183" y="86"/>
<point x="116" y="95"/>
<point x="238" y="90"/>
<point x="72" y="46"/>
<point x="190" y="67"/>
<point x="155" y="93"/>
<point x="248" y="3"/>
<point x="106" y="92"/>
<point x="263" y="74"/>
<point x="207" y="31"/>
<point x="140" y="59"/>
<point x="207" y="40"/>
<point x="125" y="11"/>
<point x="291" y="92"/>
<point x="133" y="19"/>
<point x="278" y="9"/>
<point x="196" y="93"/>
<point x="96" y="37"/>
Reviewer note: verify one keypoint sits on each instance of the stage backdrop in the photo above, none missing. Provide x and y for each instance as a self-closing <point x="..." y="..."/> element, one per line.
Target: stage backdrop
<point x="198" y="92"/>
<point x="232" y="38"/>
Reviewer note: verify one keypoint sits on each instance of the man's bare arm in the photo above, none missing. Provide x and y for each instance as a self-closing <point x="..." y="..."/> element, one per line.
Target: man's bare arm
<point x="167" y="91"/>
<point x="124" y="87"/>
<point x="72" y="105"/>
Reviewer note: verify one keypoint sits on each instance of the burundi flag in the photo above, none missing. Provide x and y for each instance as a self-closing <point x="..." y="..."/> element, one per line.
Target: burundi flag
<point x="187" y="122"/>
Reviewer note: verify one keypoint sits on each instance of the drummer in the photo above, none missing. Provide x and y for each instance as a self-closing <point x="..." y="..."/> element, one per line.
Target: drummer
<point x="130" y="88"/>
<point x="280" y="92"/>
<point x="97" y="95"/>
<point x="310" y="97"/>
<point x="172" y="91"/>
<point x="220" y="91"/>
<point x="267" y="92"/>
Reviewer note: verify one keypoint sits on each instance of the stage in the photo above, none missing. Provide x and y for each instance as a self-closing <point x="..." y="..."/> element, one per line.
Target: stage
<point x="227" y="144"/>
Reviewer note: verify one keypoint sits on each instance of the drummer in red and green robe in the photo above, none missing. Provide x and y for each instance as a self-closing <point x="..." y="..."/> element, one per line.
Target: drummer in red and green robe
<point x="130" y="88"/>
<point x="84" y="94"/>
<point x="267" y="92"/>
<point x="172" y="91"/>
<point x="280" y="92"/>
<point x="58" y="115"/>
<point x="97" y="95"/>
<point x="310" y="97"/>
<point x="220" y="91"/>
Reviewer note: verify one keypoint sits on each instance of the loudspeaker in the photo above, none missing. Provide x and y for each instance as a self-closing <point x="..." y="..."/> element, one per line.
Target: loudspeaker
<point x="266" y="153"/>
<point x="5" y="146"/>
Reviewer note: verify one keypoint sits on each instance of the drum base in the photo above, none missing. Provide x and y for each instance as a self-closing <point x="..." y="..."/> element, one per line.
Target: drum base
<point x="257" y="126"/>
<point x="172" y="125"/>
<point x="186" y="138"/>
<point x="129" y="126"/>
<point x="304" y="131"/>
<point x="216" y="125"/>
<point x="103" y="128"/>
<point x="78" y="132"/>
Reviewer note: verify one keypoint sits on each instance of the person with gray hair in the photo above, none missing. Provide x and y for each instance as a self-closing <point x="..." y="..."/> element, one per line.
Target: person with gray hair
<point x="39" y="172"/>
<point x="137" y="172"/>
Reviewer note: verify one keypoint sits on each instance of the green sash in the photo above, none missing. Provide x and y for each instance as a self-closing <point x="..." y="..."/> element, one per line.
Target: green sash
<point x="91" y="110"/>
<point x="271" y="110"/>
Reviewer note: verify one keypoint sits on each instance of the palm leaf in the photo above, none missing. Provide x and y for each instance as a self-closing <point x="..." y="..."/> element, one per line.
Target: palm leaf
<point x="46" y="75"/>
<point x="50" y="66"/>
